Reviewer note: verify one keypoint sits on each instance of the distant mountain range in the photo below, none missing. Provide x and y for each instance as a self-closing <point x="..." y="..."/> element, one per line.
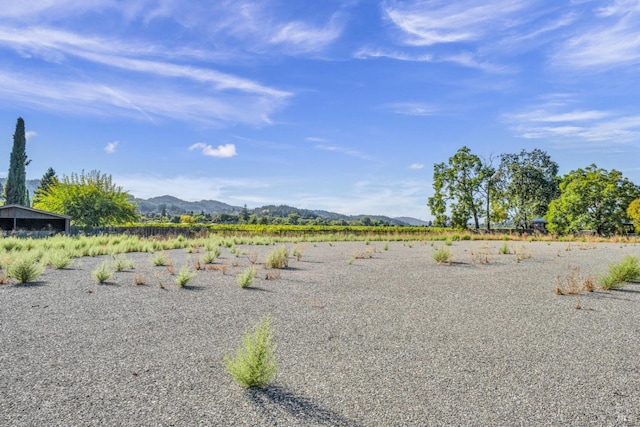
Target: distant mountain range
<point x="175" y="206"/>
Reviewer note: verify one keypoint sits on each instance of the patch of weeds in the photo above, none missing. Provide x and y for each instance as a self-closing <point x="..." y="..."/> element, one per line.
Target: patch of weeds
<point x="197" y="266"/>
<point x="121" y="263"/>
<point x="170" y="269"/>
<point x="297" y="251"/>
<point x="221" y="267"/>
<point x="351" y="260"/>
<point x="139" y="279"/>
<point x="522" y="253"/>
<point x="272" y="275"/>
<point x="385" y="246"/>
<point x="211" y="256"/>
<point x="184" y="276"/>
<point x="102" y="273"/>
<point x="159" y="259"/>
<point x="448" y="241"/>
<point x="366" y="254"/>
<point x="245" y="279"/>
<point x="278" y="258"/>
<point x="573" y="283"/>
<point x="24" y="270"/>
<point x="442" y="256"/>
<point x="253" y="257"/>
<point x="504" y="249"/>
<point x="621" y="273"/>
<point x="578" y="305"/>
<point x="480" y="257"/>
<point x="254" y="364"/>
<point x="60" y="259"/>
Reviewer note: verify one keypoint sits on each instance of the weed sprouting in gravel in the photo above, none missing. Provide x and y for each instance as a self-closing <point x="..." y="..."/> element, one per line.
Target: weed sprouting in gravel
<point x="504" y="249"/>
<point x="245" y="279"/>
<point x="278" y="258"/>
<point x="184" y="276"/>
<point x="442" y="256"/>
<point x="628" y="270"/>
<point x="60" y="259"/>
<point x="573" y="283"/>
<point x="254" y="364"/>
<point x="159" y="259"/>
<point x="122" y="263"/>
<point x="102" y="273"/>
<point x="24" y="269"/>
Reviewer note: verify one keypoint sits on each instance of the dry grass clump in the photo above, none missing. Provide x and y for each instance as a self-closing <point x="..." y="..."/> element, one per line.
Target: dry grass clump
<point x="366" y="254"/>
<point x="139" y="279"/>
<point x="442" y="256"/>
<point x="573" y="283"/>
<point x="272" y="275"/>
<point x="522" y="253"/>
<point x="480" y="256"/>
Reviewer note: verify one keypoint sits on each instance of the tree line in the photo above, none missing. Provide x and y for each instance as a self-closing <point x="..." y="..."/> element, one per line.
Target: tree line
<point x="514" y="189"/>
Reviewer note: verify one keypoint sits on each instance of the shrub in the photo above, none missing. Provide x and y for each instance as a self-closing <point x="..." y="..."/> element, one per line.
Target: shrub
<point x="448" y="241"/>
<point x="504" y="249"/>
<point x="159" y="259"/>
<point x="102" y="273"/>
<point x="626" y="271"/>
<point x="255" y="363"/>
<point x="442" y="256"/>
<point x="60" y="259"/>
<point x="184" y="276"/>
<point x="245" y="279"/>
<point x="278" y="258"/>
<point x="211" y="256"/>
<point x="122" y="263"/>
<point x="25" y="270"/>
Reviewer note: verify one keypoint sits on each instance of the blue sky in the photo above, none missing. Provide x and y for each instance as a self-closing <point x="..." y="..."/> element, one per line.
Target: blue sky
<point x="336" y="105"/>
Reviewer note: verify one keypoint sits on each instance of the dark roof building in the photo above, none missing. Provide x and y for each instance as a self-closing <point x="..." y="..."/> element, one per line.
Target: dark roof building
<point x="16" y="217"/>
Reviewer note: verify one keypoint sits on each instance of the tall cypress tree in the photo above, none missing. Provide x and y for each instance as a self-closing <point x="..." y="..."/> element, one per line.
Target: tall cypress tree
<point x="15" y="187"/>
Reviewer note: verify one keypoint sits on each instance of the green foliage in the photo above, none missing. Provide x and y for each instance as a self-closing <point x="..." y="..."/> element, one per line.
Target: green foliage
<point x="504" y="249"/>
<point x="60" y="259"/>
<point x="184" y="276"/>
<point x="254" y="364"/>
<point x="211" y="256"/>
<point x="122" y="263"/>
<point x="442" y="255"/>
<point x="278" y="258"/>
<point x="626" y="271"/>
<point x="102" y="273"/>
<point x="159" y="259"/>
<point x="633" y="211"/>
<point x="25" y="269"/>
<point x="90" y="199"/>
<point x="460" y="181"/>
<point x="591" y="199"/>
<point x="15" y="188"/>
<point x="385" y="246"/>
<point x="245" y="279"/>
<point x="526" y="185"/>
<point x="48" y="179"/>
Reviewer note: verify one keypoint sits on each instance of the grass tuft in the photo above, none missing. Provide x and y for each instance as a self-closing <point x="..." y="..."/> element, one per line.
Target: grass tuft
<point x="245" y="279"/>
<point x="184" y="276"/>
<point x="102" y="273"/>
<point x="254" y="364"/>
<point x="442" y="256"/>
<point x="619" y="274"/>
<point x="24" y="270"/>
<point x="278" y="258"/>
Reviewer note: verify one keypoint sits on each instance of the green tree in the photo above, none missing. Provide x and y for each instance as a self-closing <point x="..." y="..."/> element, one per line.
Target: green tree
<point x="47" y="180"/>
<point x="591" y="199"/>
<point x="460" y="181"/>
<point x="90" y="199"/>
<point x="15" y="188"/>
<point x="633" y="211"/>
<point x="527" y="184"/>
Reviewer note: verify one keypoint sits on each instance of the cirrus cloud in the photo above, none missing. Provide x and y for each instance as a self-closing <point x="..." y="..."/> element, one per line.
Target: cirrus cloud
<point x="224" y="150"/>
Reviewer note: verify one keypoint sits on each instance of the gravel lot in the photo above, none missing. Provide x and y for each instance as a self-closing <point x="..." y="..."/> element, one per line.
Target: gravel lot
<point x="393" y="340"/>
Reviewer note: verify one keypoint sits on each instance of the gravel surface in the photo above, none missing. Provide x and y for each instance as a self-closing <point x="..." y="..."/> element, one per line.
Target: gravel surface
<point x="392" y="340"/>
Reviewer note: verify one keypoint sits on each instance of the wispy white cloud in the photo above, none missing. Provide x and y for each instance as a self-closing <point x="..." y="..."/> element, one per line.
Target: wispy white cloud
<point x="435" y="22"/>
<point x="613" y="40"/>
<point x="416" y="166"/>
<point x="111" y="147"/>
<point x="30" y="134"/>
<point x="412" y="108"/>
<point x="315" y="139"/>
<point x="225" y="150"/>
<point x="575" y="127"/>
<point x="342" y="150"/>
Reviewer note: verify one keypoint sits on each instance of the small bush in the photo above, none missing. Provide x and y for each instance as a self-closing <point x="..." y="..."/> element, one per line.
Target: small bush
<point x="122" y="263"/>
<point x="24" y="270"/>
<point x="184" y="276"/>
<point x="60" y="259"/>
<point x="448" y="241"/>
<point x="442" y="256"/>
<point x="278" y="258"/>
<point x="619" y="274"/>
<point x="254" y="364"/>
<point x="504" y="249"/>
<point x="102" y="273"/>
<point x="159" y="259"/>
<point x="245" y="279"/>
<point x="385" y="246"/>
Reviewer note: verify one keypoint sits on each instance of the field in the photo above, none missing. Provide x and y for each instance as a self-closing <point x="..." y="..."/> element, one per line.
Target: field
<point x="368" y="334"/>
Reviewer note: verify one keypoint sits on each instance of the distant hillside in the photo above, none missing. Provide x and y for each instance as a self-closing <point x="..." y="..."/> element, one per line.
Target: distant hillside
<point x="413" y="221"/>
<point x="175" y="206"/>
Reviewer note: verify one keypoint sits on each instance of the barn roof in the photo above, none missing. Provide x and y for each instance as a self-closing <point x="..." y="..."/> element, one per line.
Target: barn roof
<point x="18" y="211"/>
